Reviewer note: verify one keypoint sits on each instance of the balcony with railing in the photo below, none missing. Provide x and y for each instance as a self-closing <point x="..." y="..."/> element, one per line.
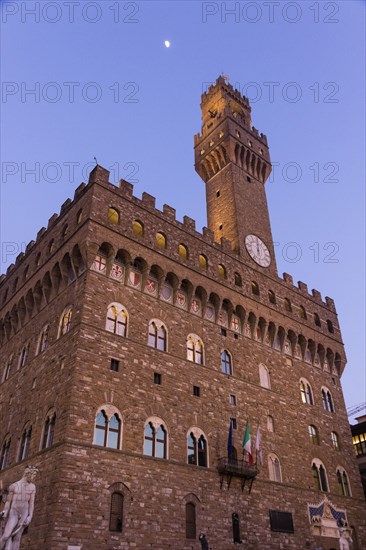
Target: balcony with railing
<point x="242" y="469"/>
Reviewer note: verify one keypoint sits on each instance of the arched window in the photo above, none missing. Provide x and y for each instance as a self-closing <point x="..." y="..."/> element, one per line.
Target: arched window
<point x="319" y="476"/>
<point x="195" y="349"/>
<point x="270" y="423"/>
<point x="306" y="392"/>
<point x="202" y="261"/>
<point x="287" y="305"/>
<point x="197" y="449"/>
<point x="116" y="513"/>
<point x="330" y="326"/>
<point x="236" y="528"/>
<point x="107" y="432"/>
<point x="335" y="440"/>
<point x="226" y="362"/>
<point x="51" y="246"/>
<point x="264" y="378"/>
<point x="23" y="357"/>
<point x="161" y="240"/>
<point x="113" y="215"/>
<point x="64" y="231"/>
<point x="157" y="335"/>
<point x="221" y="270"/>
<point x="343" y="483"/>
<point x="271" y="297"/>
<point x="155" y="440"/>
<point x="116" y="319"/>
<point x="255" y="288"/>
<point x="237" y="279"/>
<point x="317" y="320"/>
<point x="49" y="430"/>
<point x="7" y="369"/>
<point x="313" y="434"/>
<point x="138" y="228"/>
<point x="327" y="400"/>
<point x="183" y="251"/>
<point x="274" y="468"/>
<point x="190" y="520"/>
<point x="303" y="312"/>
<point x="43" y="339"/>
<point x="25" y="443"/>
<point x="4" y="456"/>
<point x="65" y="322"/>
<point x="79" y="216"/>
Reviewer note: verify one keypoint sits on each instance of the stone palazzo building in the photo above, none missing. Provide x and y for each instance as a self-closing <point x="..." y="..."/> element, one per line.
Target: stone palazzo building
<point x="132" y="344"/>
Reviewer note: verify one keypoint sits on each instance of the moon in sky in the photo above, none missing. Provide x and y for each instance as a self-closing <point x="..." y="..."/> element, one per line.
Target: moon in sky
<point x="167" y="43"/>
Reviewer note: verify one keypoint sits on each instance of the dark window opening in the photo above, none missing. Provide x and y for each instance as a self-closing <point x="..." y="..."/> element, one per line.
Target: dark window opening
<point x="196" y="391"/>
<point x="157" y="378"/>
<point x="116" y="514"/>
<point x="114" y="365"/>
<point x="236" y="528"/>
<point x="190" y="520"/>
<point x="281" y="521"/>
<point x="223" y="331"/>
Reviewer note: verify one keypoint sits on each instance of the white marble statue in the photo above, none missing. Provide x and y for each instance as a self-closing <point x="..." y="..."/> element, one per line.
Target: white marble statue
<point x="344" y="541"/>
<point x="18" y="510"/>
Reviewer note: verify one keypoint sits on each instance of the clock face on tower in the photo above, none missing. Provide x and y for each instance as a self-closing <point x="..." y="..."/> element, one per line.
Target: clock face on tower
<point x="257" y="250"/>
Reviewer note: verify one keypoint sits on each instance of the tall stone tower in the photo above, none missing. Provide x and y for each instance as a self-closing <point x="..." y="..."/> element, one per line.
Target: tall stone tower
<point x="233" y="160"/>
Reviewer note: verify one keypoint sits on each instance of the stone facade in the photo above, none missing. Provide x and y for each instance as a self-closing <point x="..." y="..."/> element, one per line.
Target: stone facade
<point x="91" y="256"/>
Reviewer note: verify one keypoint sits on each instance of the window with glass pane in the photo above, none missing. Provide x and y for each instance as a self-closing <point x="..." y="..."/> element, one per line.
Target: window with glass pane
<point x="100" y="433"/>
<point x="202" y="452"/>
<point x="24" y="356"/>
<point x="190" y="349"/>
<point x="199" y="352"/>
<point x="183" y="251"/>
<point x="25" y="444"/>
<point x="225" y="362"/>
<point x="149" y="440"/>
<point x="43" y="340"/>
<point x="161" y="343"/>
<point x="327" y="401"/>
<point x="113" y="215"/>
<point x="49" y="431"/>
<point x="346" y="489"/>
<point x="153" y="332"/>
<point x="274" y="468"/>
<point x="315" y="474"/>
<point x="114" y="430"/>
<point x="161" y="240"/>
<point x="323" y="479"/>
<point x="138" y="228"/>
<point x="65" y="322"/>
<point x="335" y="440"/>
<point x="191" y="446"/>
<point x="160" y="443"/>
<point x="313" y="433"/>
<point x="4" y="458"/>
<point x="202" y="261"/>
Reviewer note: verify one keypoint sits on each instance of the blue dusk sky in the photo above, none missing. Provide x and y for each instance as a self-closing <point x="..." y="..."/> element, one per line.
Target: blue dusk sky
<point x="87" y="79"/>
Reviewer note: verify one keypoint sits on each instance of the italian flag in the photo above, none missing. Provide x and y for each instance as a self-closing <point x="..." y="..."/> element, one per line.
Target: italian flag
<point x="247" y="444"/>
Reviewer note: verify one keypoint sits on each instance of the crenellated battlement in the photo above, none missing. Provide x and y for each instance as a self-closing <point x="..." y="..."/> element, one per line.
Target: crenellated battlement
<point x="100" y="176"/>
